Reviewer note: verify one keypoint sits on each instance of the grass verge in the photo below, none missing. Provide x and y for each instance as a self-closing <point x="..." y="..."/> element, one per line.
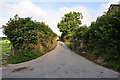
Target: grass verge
<point x="5" y="47"/>
<point x="111" y="64"/>
<point x="14" y="59"/>
<point x="26" y="55"/>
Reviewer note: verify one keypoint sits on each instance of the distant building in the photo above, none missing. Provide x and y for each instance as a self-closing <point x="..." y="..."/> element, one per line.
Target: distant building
<point x="117" y="5"/>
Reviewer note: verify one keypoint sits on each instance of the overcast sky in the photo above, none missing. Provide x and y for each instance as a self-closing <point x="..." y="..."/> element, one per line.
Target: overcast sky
<point x="51" y="11"/>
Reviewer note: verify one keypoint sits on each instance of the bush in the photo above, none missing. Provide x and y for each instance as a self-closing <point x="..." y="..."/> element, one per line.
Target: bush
<point x="27" y="37"/>
<point x="102" y="38"/>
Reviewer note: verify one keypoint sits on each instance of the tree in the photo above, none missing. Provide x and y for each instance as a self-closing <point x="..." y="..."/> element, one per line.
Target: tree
<point x="79" y="32"/>
<point x="69" y="24"/>
<point x="20" y="31"/>
<point x="103" y="37"/>
<point x="26" y="34"/>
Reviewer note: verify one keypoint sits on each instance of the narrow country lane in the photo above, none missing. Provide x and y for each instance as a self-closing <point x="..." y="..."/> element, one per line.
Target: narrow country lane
<point x="59" y="63"/>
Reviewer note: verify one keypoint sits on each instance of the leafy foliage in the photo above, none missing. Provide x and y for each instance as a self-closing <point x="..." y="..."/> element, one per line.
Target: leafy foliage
<point x="79" y="32"/>
<point x="69" y="24"/>
<point x="20" y="31"/>
<point x="104" y="35"/>
<point x="23" y="31"/>
<point x="28" y="38"/>
<point x="100" y="40"/>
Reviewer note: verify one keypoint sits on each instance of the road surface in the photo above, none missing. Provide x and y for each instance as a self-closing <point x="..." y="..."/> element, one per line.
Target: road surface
<point x="59" y="63"/>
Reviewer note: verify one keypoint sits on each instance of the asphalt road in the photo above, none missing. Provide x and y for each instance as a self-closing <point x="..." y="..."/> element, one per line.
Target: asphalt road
<point x="59" y="63"/>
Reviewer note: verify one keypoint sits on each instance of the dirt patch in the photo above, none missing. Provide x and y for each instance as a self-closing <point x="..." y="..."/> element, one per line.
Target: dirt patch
<point x="22" y="69"/>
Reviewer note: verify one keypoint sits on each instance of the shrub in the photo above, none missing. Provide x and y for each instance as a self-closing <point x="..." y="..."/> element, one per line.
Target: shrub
<point x="28" y="38"/>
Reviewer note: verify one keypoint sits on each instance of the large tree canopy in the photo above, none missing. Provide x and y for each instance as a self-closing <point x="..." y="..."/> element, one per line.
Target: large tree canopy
<point x="70" y="23"/>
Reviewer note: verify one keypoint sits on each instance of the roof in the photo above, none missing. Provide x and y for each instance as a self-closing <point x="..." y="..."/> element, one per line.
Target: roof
<point x="114" y="5"/>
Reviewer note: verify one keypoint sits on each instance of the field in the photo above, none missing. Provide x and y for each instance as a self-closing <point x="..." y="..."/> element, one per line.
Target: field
<point x="5" y="47"/>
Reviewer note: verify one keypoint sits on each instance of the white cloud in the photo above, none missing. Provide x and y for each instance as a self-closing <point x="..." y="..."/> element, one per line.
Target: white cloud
<point x="2" y="21"/>
<point x="103" y="8"/>
<point x="54" y="16"/>
<point x="1" y="33"/>
<point x="26" y="8"/>
<point x="85" y="12"/>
